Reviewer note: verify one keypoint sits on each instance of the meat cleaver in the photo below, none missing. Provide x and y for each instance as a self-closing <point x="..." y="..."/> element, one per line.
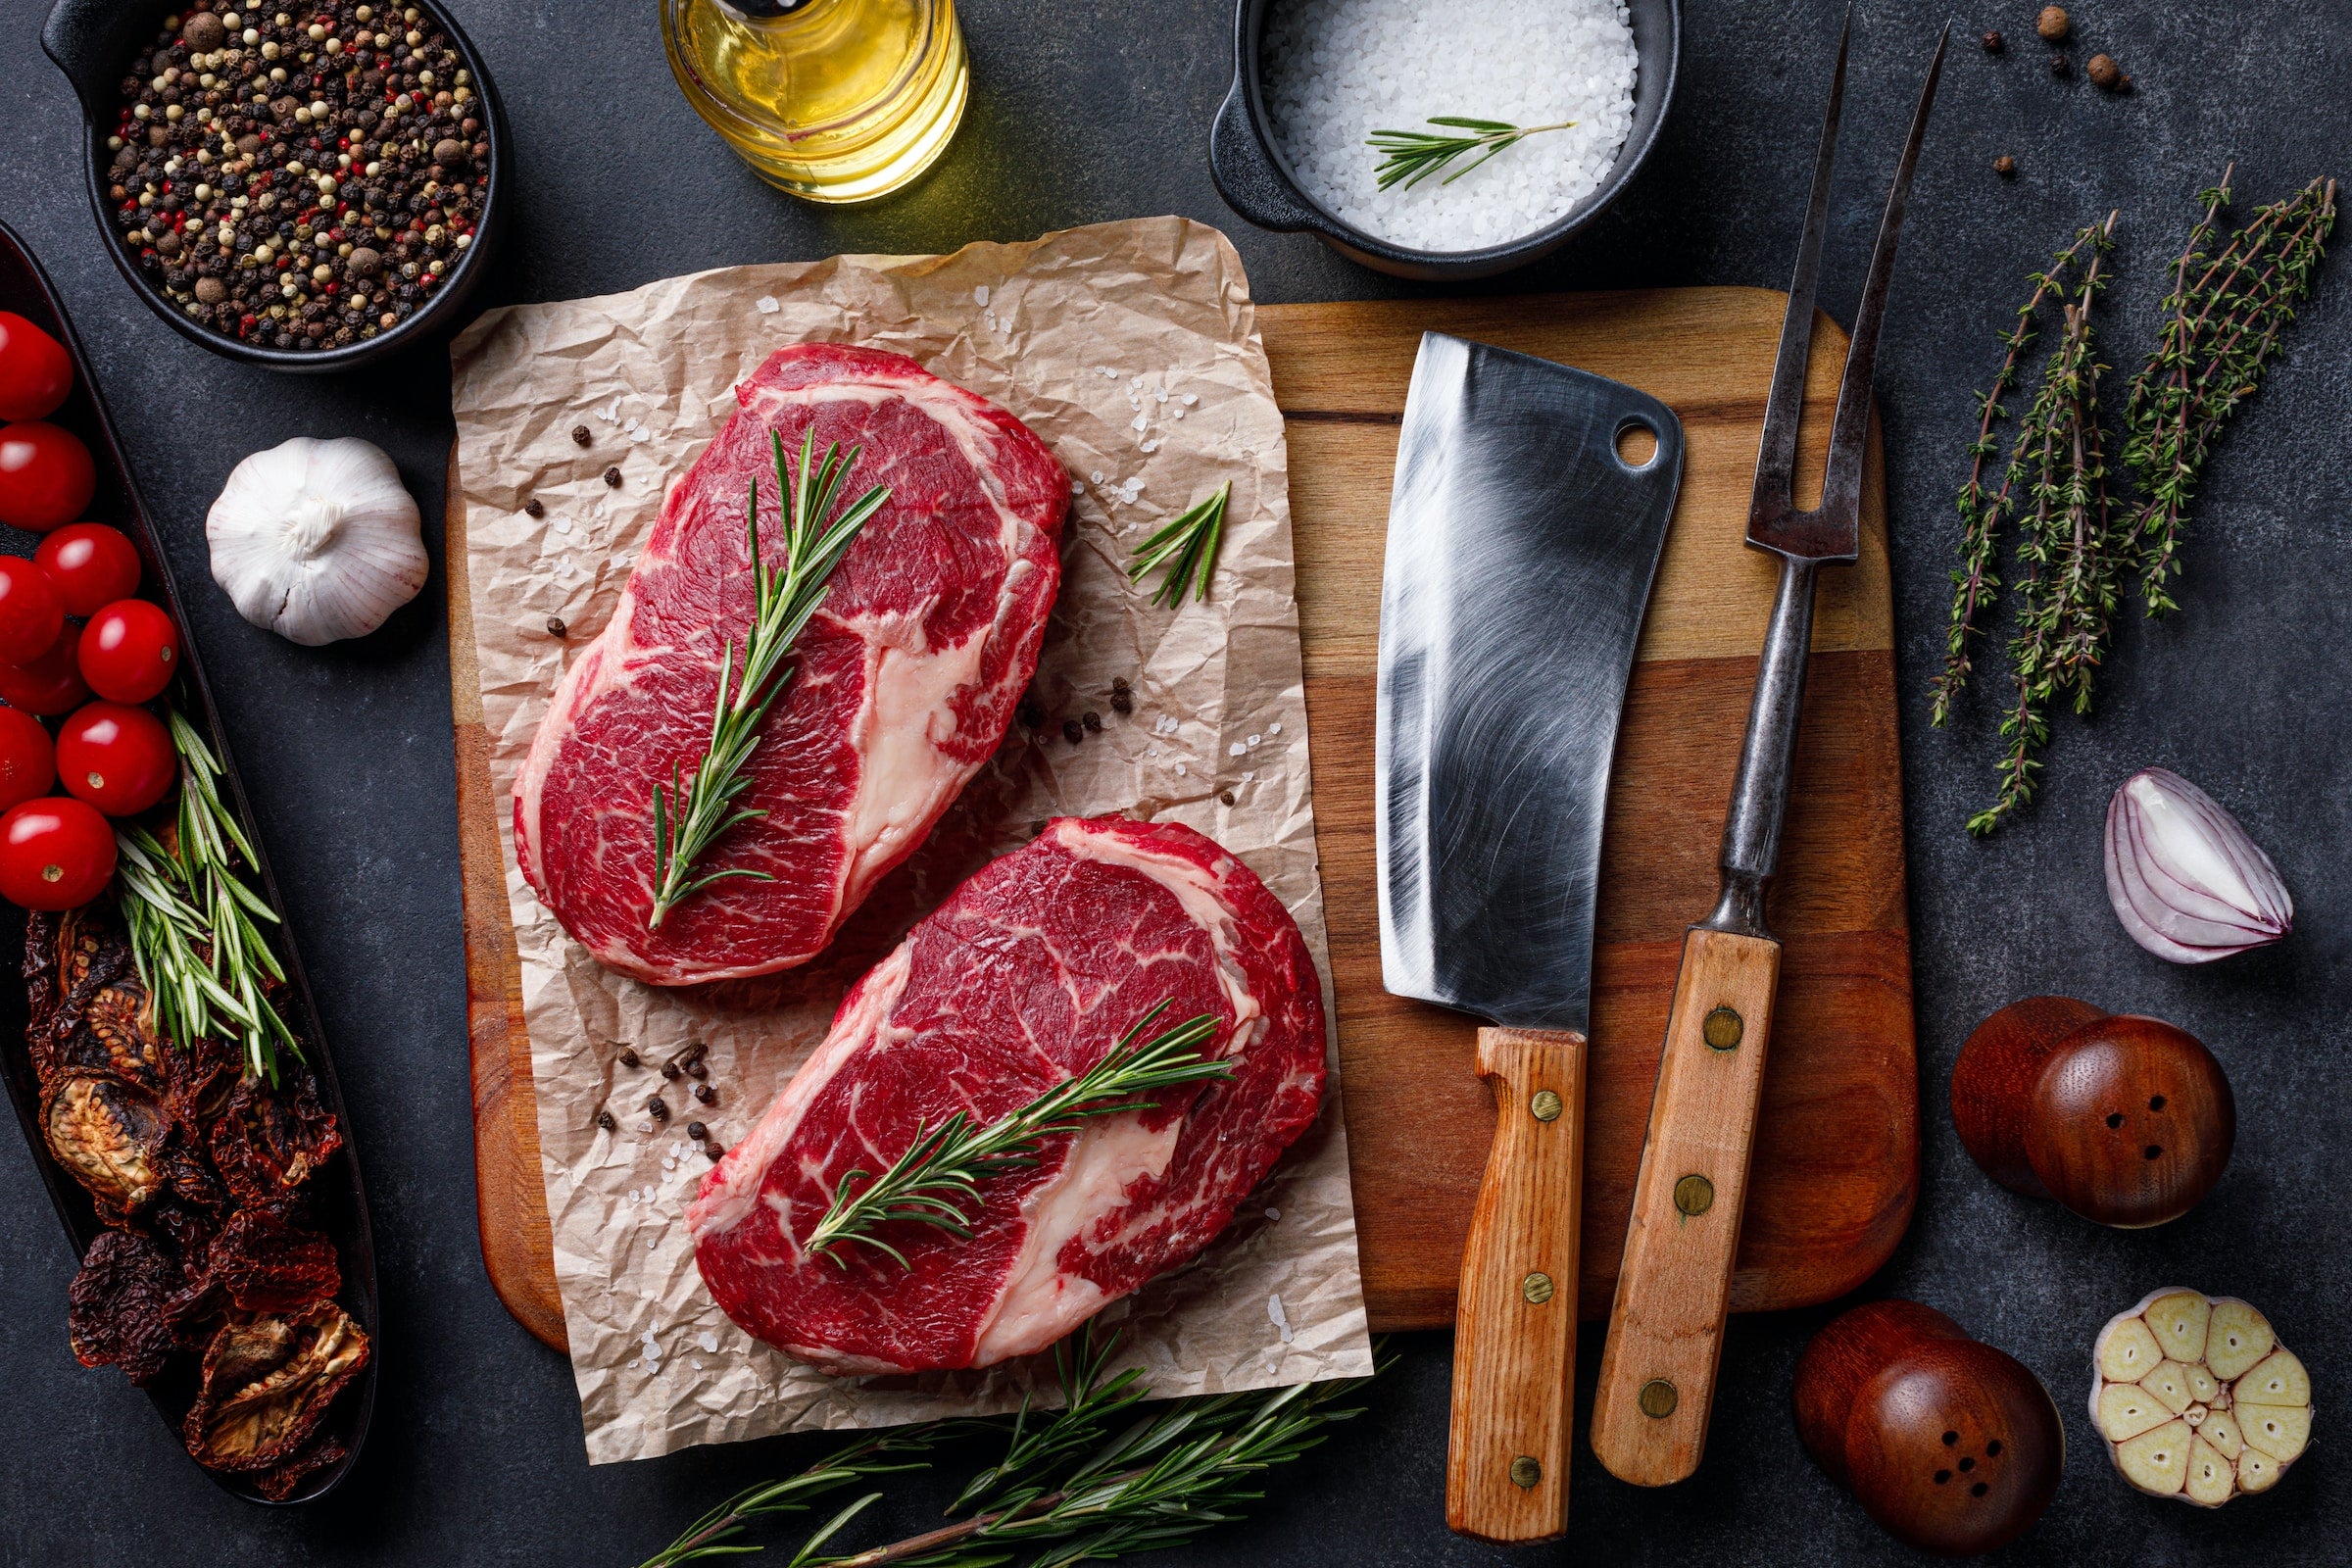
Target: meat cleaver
<point x="1520" y="548"/>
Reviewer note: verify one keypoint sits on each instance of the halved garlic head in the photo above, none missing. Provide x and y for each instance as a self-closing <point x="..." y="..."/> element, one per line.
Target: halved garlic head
<point x="2196" y="1399"/>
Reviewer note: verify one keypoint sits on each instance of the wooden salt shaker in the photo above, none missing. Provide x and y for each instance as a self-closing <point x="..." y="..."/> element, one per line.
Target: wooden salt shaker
<point x="2126" y="1120"/>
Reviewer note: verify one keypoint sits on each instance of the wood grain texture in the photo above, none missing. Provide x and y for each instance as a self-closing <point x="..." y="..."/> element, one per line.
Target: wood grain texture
<point x="1514" y="1342"/>
<point x="1837" y="1152"/>
<point x="1657" y="1369"/>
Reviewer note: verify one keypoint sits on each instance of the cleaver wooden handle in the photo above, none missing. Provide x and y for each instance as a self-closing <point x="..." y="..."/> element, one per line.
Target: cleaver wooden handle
<point x="1657" y="1370"/>
<point x="1514" y="1340"/>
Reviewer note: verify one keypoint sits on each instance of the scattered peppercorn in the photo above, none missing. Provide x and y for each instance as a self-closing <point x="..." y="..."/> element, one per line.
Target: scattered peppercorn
<point x="534" y="508"/>
<point x="1123" y="698"/>
<point x="1225" y="796"/>
<point x="556" y="626"/>
<point x="705" y="1094"/>
<point x="2059" y="65"/>
<point x="1072" y="731"/>
<point x="613" y="477"/>
<point x="2052" y="24"/>
<point x="628" y="1058"/>
<point x="2005" y="167"/>
<point x="696" y="1069"/>
<point x="670" y="1071"/>
<point x="696" y="1131"/>
<point x="715" y="1151"/>
<point x="604" y="1119"/>
<point x="1031" y="716"/>
<point x="656" y="1108"/>
<point x="580" y="435"/>
<point x="1092" y="721"/>
<point x="273" y="175"/>
<point x="1992" y="43"/>
<point x="2103" y="71"/>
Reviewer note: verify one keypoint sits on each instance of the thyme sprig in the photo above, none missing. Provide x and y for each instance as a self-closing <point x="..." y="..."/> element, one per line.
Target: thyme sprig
<point x="1409" y="157"/>
<point x="195" y="925"/>
<point x="2222" y="323"/>
<point x="1190" y="541"/>
<point x="786" y="597"/>
<point x="939" y="1174"/>
<point x="1069" y="1493"/>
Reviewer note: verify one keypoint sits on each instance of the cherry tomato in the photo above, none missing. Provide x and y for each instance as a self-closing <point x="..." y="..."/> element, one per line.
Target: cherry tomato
<point x="30" y="614"/>
<point x="91" y="564"/>
<point x="55" y="853"/>
<point x="116" y="756"/>
<point x="28" y="760"/>
<point x="49" y="685"/>
<point x="34" y="373"/>
<point x="45" y="476"/>
<point x="129" y="651"/>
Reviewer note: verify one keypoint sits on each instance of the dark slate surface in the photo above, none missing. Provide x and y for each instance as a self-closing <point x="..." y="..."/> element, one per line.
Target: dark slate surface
<point x="1087" y="109"/>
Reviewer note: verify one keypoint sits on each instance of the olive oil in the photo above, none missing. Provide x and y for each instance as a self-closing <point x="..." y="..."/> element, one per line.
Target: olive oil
<point x="835" y="100"/>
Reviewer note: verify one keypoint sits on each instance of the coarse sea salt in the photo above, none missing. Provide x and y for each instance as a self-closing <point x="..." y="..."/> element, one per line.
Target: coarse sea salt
<point x="1337" y="71"/>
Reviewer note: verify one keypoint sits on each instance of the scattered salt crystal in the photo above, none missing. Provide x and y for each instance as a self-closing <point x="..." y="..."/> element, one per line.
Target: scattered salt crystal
<point x="630" y="424"/>
<point x="707" y="1341"/>
<point x="990" y="318"/>
<point x="1176" y="414"/>
<point x="1106" y="373"/>
<point x="645" y="1126"/>
<point x="1273" y="1214"/>
<point x="1251" y="774"/>
<point x="642" y="433"/>
<point x="1273" y="729"/>
<point x="695" y="1362"/>
<point x="668" y="1163"/>
<point x="980" y="294"/>
<point x="1076" y="488"/>
<point x="1181" y="770"/>
<point x="1254" y="739"/>
<point x="1165" y="725"/>
<point x="1238" y="748"/>
<point x="1191" y="398"/>
<point x="562" y="525"/>
<point x="1149" y="447"/>
<point x="633" y="1363"/>
<point x="1141" y="424"/>
<point x="1337" y="71"/>
<point x="1095" y="476"/>
<point x="766" y="304"/>
<point x="1282" y="1322"/>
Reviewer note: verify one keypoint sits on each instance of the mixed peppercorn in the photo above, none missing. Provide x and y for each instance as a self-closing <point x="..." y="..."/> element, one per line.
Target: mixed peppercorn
<point x="299" y="180"/>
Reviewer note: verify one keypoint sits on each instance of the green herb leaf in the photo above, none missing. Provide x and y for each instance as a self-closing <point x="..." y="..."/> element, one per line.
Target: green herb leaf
<point x="693" y="813"/>
<point x="1187" y="547"/>
<point x="938" y="1178"/>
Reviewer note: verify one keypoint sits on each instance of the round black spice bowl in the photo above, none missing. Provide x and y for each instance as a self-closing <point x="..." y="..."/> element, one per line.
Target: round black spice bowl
<point x="1257" y="182"/>
<point x="94" y="41"/>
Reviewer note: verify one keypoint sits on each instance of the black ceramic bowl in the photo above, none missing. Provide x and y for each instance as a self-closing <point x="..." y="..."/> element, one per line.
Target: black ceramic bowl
<point x="93" y="41"/>
<point x="1257" y="182"/>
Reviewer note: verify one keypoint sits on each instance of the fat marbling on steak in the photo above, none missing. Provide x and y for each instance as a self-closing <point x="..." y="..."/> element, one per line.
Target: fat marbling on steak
<point x="1026" y="976"/>
<point x="901" y="687"/>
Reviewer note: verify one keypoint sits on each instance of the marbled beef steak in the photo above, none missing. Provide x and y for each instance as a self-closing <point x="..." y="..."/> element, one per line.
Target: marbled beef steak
<point x="902" y="686"/>
<point x="1027" y="975"/>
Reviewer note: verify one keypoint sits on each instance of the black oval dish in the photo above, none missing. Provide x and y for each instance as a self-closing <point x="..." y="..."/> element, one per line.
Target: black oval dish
<point x="94" y="40"/>
<point x="1256" y="182"/>
<point x="24" y="289"/>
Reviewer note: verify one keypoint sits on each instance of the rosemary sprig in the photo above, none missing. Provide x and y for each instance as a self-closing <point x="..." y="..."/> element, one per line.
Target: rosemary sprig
<point x="2067" y="587"/>
<point x="1982" y="514"/>
<point x="786" y="597"/>
<point x="938" y="1174"/>
<point x="714" y="1532"/>
<point x="1191" y="542"/>
<point x="1409" y="157"/>
<point x="194" y="921"/>
<point x="1162" y="1480"/>
<point x="2222" y="322"/>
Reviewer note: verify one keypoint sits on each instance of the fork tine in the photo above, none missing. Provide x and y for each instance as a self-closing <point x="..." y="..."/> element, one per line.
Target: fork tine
<point x="1841" y="484"/>
<point x="1776" y="456"/>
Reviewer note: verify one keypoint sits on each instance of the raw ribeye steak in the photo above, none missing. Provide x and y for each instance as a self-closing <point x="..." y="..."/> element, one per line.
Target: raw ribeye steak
<point x="1026" y="976"/>
<point x="902" y="688"/>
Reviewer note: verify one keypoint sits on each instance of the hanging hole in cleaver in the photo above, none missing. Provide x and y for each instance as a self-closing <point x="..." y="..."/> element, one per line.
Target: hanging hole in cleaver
<point x="1636" y="445"/>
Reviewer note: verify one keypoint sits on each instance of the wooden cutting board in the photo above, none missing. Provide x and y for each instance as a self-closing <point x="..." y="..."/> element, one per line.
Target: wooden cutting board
<point x="1837" y="1158"/>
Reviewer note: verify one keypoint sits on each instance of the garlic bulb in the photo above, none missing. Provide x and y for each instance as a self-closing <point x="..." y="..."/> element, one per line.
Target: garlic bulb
<point x="316" y="540"/>
<point x="2196" y="1398"/>
<point x="2185" y="879"/>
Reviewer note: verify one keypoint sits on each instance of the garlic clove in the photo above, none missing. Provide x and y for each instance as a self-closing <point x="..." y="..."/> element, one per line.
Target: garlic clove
<point x="2221" y="1430"/>
<point x="2126" y="1410"/>
<point x="2157" y="1461"/>
<point x="2180" y="1321"/>
<point x="2184" y="878"/>
<point x="2279" y="1431"/>
<point x="2168" y="1386"/>
<point x="2239" y="1338"/>
<point x="2127" y="1349"/>
<point x="2277" y="1378"/>
<point x="316" y="540"/>
<point x="2212" y="1478"/>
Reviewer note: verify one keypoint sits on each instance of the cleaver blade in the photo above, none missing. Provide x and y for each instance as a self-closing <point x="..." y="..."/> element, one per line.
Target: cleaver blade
<point x="1521" y="549"/>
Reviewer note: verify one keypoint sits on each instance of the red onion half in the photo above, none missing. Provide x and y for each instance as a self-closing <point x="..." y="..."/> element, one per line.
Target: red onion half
<point x="2184" y="877"/>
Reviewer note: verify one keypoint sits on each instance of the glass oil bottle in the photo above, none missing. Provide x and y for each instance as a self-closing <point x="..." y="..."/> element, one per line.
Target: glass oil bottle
<point x="834" y="100"/>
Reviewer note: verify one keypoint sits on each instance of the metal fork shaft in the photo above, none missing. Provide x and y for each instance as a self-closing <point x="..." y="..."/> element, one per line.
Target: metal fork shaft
<point x="1751" y="829"/>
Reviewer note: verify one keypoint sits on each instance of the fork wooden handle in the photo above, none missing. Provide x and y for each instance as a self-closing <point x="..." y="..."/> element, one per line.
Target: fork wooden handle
<point x="1514" y="1336"/>
<point x="1657" y="1370"/>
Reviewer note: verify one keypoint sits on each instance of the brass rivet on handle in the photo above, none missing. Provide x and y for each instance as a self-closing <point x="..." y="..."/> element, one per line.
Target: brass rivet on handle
<point x="1537" y="1288"/>
<point x="1658" y="1399"/>
<point x="1545" y="1106"/>
<point x="1722" y="1029"/>
<point x="1694" y="1195"/>
<point x="1525" y="1472"/>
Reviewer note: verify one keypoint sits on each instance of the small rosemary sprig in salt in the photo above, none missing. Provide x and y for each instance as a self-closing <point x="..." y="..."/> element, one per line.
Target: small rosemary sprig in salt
<point x="939" y="1174"/>
<point x="1409" y="157"/>
<point x="786" y="597"/>
<point x="192" y="920"/>
<point x="1190" y="542"/>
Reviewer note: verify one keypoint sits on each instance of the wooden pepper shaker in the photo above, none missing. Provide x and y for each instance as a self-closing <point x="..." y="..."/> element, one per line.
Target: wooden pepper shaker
<point x="1950" y="1445"/>
<point x="2126" y="1120"/>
